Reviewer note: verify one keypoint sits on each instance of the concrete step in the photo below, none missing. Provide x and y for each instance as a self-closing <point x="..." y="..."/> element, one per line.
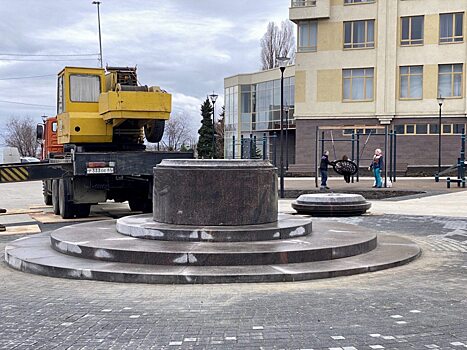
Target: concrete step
<point x="101" y="241"/>
<point x="143" y="226"/>
<point x="35" y="255"/>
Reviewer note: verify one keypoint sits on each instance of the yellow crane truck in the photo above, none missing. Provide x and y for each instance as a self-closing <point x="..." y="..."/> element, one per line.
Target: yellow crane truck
<point x="93" y="150"/>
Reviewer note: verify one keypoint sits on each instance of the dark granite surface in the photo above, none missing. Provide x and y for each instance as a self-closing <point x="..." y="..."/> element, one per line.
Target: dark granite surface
<point x="34" y="255"/>
<point x="101" y="241"/>
<point x="143" y="226"/>
<point x="215" y="192"/>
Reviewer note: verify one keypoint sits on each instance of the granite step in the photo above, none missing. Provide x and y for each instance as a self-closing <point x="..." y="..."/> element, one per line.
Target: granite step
<point x="143" y="226"/>
<point x="101" y="241"/>
<point x="35" y="255"/>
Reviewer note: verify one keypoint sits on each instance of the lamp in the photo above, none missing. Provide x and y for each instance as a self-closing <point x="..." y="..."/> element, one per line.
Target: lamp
<point x="282" y="62"/>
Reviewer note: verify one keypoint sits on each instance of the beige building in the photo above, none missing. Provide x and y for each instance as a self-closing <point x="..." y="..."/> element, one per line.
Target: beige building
<point x="367" y="63"/>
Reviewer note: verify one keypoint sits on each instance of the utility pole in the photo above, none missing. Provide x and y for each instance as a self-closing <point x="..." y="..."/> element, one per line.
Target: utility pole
<point x="100" y="37"/>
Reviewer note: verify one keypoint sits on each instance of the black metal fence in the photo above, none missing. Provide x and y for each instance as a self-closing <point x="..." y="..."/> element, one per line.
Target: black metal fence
<point x="254" y="147"/>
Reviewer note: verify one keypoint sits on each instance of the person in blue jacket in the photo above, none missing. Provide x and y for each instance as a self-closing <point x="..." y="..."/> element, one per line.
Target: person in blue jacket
<point x="376" y="165"/>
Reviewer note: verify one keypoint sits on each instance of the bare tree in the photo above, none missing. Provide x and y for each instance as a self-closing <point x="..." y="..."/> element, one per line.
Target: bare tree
<point x="277" y="42"/>
<point x="21" y="133"/>
<point x="178" y="132"/>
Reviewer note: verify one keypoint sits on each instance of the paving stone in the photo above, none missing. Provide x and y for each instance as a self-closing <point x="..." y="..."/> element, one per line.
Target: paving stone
<point x="294" y="316"/>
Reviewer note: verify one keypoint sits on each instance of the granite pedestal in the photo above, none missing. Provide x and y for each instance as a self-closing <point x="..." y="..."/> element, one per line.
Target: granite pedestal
<point x="213" y="222"/>
<point x="331" y="204"/>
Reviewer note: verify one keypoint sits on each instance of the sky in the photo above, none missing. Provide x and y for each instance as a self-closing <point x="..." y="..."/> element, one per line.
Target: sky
<point x="185" y="46"/>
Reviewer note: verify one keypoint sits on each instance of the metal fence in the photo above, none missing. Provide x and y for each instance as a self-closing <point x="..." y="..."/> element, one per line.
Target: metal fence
<point x="254" y="147"/>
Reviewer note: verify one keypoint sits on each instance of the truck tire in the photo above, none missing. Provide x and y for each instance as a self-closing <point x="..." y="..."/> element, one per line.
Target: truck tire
<point x="45" y="192"/>
<point x="55" y="197"/>
<point x="138" y="204"/>
<point x="67" y="207"/>
<point x="82" y="210"/>
<point x="154" y="130"/>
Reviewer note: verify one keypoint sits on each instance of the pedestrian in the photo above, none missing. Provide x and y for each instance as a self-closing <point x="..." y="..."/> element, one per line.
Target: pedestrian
<point x="376" y="165"/>
<point x="323" y="169"/>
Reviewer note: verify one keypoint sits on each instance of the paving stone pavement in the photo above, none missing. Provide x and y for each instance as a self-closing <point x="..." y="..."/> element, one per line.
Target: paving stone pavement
<point x="422" y="305"/>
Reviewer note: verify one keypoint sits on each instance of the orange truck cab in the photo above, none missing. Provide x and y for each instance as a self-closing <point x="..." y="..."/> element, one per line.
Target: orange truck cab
<point x="49" y="144"/>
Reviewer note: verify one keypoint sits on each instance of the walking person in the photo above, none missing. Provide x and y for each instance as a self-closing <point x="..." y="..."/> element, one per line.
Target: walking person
<point x="376" y="165"/>
<point x="323" y="169"/>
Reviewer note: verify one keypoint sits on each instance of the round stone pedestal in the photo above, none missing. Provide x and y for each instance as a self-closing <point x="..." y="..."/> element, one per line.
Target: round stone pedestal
<point x="331" y="204"/>
<point x="214" y="222"/>
<point x="215" y="192"/>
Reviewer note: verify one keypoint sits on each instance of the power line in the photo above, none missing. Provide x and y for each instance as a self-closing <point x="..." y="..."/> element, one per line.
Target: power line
<point x="26" y="104"/>
<point x="30" y="77"/>
<point x="36" y="60"/>
<point x="48" y="55"/>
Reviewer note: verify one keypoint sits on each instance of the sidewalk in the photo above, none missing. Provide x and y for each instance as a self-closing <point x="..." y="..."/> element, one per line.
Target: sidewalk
<point x="439" y="200"/>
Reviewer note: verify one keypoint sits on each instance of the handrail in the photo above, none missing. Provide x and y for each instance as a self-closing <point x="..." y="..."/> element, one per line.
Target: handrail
<point x="303" y="3"/>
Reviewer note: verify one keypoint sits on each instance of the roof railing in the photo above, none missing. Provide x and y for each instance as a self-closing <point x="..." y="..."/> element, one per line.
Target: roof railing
<point x="303" y="3"/>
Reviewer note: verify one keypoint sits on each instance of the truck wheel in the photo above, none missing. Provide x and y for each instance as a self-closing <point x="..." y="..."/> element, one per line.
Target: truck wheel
<point x="144" y="205"/>
<point x="154" y="130"/>
<point x="82" y="210"/>
<point x="67" y="207"/>
<point x="45" y="192"/>
<point x="55" y="197"/>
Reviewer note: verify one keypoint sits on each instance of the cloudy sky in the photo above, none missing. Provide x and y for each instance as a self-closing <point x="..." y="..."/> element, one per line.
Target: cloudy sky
<point x="185" y="46"/>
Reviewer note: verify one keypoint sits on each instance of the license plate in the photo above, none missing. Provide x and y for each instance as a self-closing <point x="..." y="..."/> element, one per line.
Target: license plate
<point x="100" y="170"/>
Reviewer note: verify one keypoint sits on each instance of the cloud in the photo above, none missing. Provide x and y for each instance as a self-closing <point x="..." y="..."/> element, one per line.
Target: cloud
<point x="186" y="47"/>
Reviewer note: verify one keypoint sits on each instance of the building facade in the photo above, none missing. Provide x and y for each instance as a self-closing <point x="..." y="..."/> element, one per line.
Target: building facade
<point x="253" y="110"/>
<point x="363" y="64"/>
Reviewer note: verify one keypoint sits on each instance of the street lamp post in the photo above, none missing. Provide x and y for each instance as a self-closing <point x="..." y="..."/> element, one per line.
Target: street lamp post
<point x="213" y="98"/>
<point x="286" y="110"/>
<point x="283" y="61"/>
<point x="98" y="3"/>
<point x="440" y="103"/>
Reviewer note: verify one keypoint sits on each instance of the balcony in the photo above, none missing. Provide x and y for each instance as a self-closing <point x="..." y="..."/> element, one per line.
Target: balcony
<point x="309" y="9"/>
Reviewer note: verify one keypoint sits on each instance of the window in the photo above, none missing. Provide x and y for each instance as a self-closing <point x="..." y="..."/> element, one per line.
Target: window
<point x="410" y="129"/>
<point x="54" y="127"/>
<point x="399" y="129"/>
<point x="359" y="34"/>
<point x="434" y="128"/>
<point x="60" y="95"/>
<point x="303" y="3"/>
<point x="422" y="129"/>
<point x="450" y="27"/>
<point x="447" y="128"/>
<point x="357" y="1"/>
<point x="412" y="30"/>
<point x="411" y="82"/>
<point x="450" y="80"/>
<point x="459" y="128"/>
<point x="307" y="36"/>
<point x="358" y="84"/>
<point x="85" y="88"/>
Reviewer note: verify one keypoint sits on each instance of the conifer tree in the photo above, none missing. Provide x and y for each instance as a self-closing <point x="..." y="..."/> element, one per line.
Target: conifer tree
<point x="206" y="131"/>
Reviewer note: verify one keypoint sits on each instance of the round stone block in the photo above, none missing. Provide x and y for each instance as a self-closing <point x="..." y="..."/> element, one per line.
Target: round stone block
<point x="144" y="227"/>
<point x="331" y="204"/>
<point x="215" y="192"/>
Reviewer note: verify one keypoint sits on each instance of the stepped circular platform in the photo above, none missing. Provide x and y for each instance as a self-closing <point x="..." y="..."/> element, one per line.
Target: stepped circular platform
<point x="331" y="204"/>
<point x="97" y="251"/>
<point x="143" y="226"/>
<point x="213" y="222"/>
